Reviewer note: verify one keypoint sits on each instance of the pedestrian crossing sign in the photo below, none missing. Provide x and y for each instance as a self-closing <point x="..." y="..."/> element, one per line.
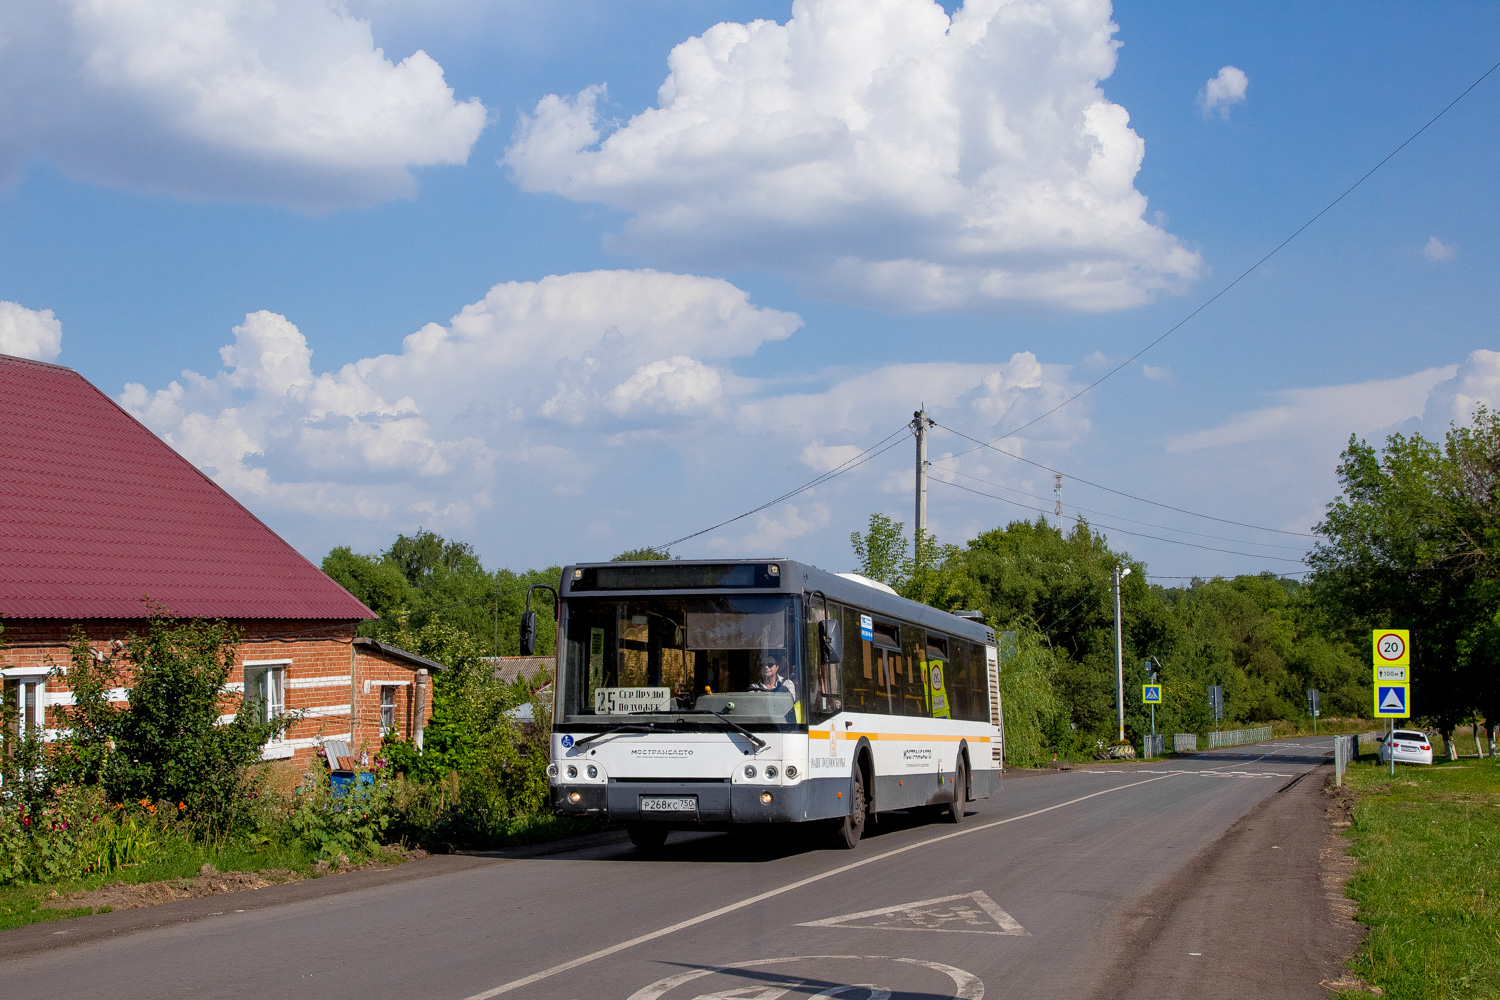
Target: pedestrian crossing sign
<point x="1392" y="701"/>
<point x="1150" y="694"/>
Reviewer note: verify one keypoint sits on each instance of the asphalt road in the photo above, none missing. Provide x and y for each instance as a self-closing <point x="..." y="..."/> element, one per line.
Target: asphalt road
<point x="1190" y="878"/>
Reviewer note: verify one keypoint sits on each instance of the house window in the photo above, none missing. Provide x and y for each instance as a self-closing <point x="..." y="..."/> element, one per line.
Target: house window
<point x="265" y="686"/>
<point x="23" y="696"/>
<point x="387" y="709"/>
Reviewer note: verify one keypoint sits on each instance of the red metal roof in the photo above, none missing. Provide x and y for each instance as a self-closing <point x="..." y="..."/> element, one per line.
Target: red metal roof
<point x="97" y="514"/>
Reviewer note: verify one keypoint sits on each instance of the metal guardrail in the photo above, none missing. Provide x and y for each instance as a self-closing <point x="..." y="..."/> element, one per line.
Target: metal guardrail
<point x="1234" y="737"/>
<point x="1184" y="741"/>
<point x="1153" y="746"/>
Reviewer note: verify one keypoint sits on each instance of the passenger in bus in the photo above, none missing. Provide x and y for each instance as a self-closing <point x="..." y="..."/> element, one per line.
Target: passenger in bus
<point x="773" y="674"/>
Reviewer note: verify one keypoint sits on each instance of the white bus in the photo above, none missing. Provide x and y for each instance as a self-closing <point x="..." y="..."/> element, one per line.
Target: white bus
<point x="705" y="695"/>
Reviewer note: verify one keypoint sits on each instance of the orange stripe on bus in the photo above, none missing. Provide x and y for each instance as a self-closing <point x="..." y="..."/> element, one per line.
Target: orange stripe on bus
<point x="823" y="734"/>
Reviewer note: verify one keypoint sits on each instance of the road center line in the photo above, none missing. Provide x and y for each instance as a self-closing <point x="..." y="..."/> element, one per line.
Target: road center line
<point x="516" y="984"/>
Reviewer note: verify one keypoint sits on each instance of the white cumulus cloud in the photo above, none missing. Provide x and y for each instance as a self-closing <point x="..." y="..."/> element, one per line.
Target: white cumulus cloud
<point x="880" y="151"/>
<point x="1436" y="250"/>
<point x="1474" y="383"/>
<point x="288" y="101"/>
<point x="1223" y="91"/>
<point x="608" y="395"/>
<point x="29" y="333"/>
<point x="408" y="431"/>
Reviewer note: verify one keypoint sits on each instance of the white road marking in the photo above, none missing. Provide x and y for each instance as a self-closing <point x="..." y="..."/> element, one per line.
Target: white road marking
<point x="613" y="949"/>
<point x="969" y="915"/>
<point x="966" y="985"/>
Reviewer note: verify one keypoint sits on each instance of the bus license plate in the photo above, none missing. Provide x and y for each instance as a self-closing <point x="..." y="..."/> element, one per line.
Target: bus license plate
<point x="669" y="803"/>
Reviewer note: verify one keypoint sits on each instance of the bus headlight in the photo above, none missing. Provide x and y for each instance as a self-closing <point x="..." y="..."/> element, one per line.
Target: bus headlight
<point x="551" y="770"/>
<point x="572" y="771"/>
<point x="771" y="771"/>
<point x="593" y="772"/>
<point x="575" y="796"/>
<point x="749" y="770"/>
<point x="765" y="798"/>
<point x="791" y="771"/>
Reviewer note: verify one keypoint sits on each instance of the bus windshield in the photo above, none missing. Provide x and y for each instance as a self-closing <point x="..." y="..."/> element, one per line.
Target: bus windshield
<point x="648" y="656"/>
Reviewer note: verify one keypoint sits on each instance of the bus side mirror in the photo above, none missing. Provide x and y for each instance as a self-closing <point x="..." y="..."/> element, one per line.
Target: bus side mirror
<point x="830" y="642"/>
<point x="528" y="633"/>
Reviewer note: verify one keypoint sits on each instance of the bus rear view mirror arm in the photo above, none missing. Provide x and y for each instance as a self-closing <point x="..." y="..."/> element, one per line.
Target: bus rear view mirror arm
<point x="528" y="619"/>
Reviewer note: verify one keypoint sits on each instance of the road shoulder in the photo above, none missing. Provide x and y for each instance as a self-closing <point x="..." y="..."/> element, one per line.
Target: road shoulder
<point x="1259" y="913"/>
<point x="82" y="930"/>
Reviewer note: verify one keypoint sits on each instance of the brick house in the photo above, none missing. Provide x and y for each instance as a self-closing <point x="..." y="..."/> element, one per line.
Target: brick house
<point x="100" y="520"/>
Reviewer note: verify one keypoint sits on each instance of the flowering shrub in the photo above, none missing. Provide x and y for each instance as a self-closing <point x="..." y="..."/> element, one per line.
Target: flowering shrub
<point x="75" y="832"/>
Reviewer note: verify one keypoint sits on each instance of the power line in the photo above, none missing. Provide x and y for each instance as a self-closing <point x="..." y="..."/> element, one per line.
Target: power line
<point x="1123" y="531"/>
<point x="838" y="470"/>
<point x="1249" y="270"/>
<point x="1149" y="524"/>
<point x="1100" y="486"/>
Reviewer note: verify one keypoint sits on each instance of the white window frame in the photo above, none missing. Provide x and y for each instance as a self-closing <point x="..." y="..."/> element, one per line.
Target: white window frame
<point x="36" y="681"/>
<point x="387" y="711"/>
<point x="275" y="671"/>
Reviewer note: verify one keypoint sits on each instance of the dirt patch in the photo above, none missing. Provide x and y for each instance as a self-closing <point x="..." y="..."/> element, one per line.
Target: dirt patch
<point x="212" y="882"/>
<point x="1335" y="868"/>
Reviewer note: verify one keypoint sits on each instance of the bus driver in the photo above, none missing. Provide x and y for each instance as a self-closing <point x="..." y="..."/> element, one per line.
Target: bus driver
<point x="773" y="674"/>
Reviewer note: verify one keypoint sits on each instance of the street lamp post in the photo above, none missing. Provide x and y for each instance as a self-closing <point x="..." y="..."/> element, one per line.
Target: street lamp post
<point x="1120" y="574"/>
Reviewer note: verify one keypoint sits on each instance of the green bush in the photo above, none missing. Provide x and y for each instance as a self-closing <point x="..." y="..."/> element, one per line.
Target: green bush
<point x="167" y="744"/>
<point x="480" y="771"/>
<point x="353" y="824"/>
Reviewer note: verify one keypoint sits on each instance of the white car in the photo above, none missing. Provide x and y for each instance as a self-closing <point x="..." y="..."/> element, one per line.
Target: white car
<point x="1408" y="747"/>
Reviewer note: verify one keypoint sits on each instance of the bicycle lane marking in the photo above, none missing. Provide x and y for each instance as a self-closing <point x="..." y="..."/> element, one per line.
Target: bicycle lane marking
<point x="594" y="956"/>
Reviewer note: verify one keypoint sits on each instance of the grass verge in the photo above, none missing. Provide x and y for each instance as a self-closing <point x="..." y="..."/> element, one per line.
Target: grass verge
<point x="26" y="904"/>
<point x="1428" y="879"/>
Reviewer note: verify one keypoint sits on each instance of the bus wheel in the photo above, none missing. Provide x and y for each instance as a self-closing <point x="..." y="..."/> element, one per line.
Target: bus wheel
<point x="647" y="837"/>
<point x="847" y="831"/>
<point x="953" y="812"/>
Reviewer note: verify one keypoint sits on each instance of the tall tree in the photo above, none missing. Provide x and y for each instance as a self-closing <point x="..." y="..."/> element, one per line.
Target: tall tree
<point x="1414" y="542"/>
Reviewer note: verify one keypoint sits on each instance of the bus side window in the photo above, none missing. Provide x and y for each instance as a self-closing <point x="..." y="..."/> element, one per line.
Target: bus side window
<point x="912" y="694"/>
<point x="957" y="682"/>
<point x="979" y="684"/>
<point x="857" y="669"/>
<point x="827" y="699"/>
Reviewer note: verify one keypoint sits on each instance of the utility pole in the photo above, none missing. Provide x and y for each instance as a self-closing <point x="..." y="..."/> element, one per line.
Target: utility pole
<point x="919" y="423"/>
<point x="1120" y="574"/>
<point x="1057" y="491"/>
<point x="1155" y="678"/>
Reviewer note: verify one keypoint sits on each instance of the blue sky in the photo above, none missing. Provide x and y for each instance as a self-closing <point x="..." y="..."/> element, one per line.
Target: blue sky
<point x="633" y="313"/>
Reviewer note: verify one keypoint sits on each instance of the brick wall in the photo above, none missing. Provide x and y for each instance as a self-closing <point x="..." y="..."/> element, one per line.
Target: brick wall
<point x="335" y="685"/>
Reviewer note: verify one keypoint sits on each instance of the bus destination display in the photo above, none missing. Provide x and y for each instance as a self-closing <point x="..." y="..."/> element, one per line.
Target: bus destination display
<point x="629" y="701"/>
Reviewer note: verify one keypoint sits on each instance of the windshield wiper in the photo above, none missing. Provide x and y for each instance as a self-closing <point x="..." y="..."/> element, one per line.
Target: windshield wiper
<point x="649" y="727"/>
<point x="760" y="744"/>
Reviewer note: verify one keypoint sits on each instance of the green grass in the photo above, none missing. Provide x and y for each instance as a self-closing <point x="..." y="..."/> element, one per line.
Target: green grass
<point x="1427" y="844"/>
<point x="23" y="904"/>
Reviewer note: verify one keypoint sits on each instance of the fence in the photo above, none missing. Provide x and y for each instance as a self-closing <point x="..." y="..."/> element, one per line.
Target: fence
<point x="1234" y="737"/>
<point x="1345" y="750"/>
<point x="1184" y="741"/>
<point x="1153" y="746"/>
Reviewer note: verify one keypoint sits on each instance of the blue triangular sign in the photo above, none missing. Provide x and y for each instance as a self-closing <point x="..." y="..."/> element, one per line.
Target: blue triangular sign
<point x="1393" y="699"/>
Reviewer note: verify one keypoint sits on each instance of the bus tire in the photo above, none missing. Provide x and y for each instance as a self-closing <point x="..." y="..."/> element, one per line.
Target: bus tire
<point x="953" y="812"/>
<point x="648" y="838"/>
<point x="848" y="831"/>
